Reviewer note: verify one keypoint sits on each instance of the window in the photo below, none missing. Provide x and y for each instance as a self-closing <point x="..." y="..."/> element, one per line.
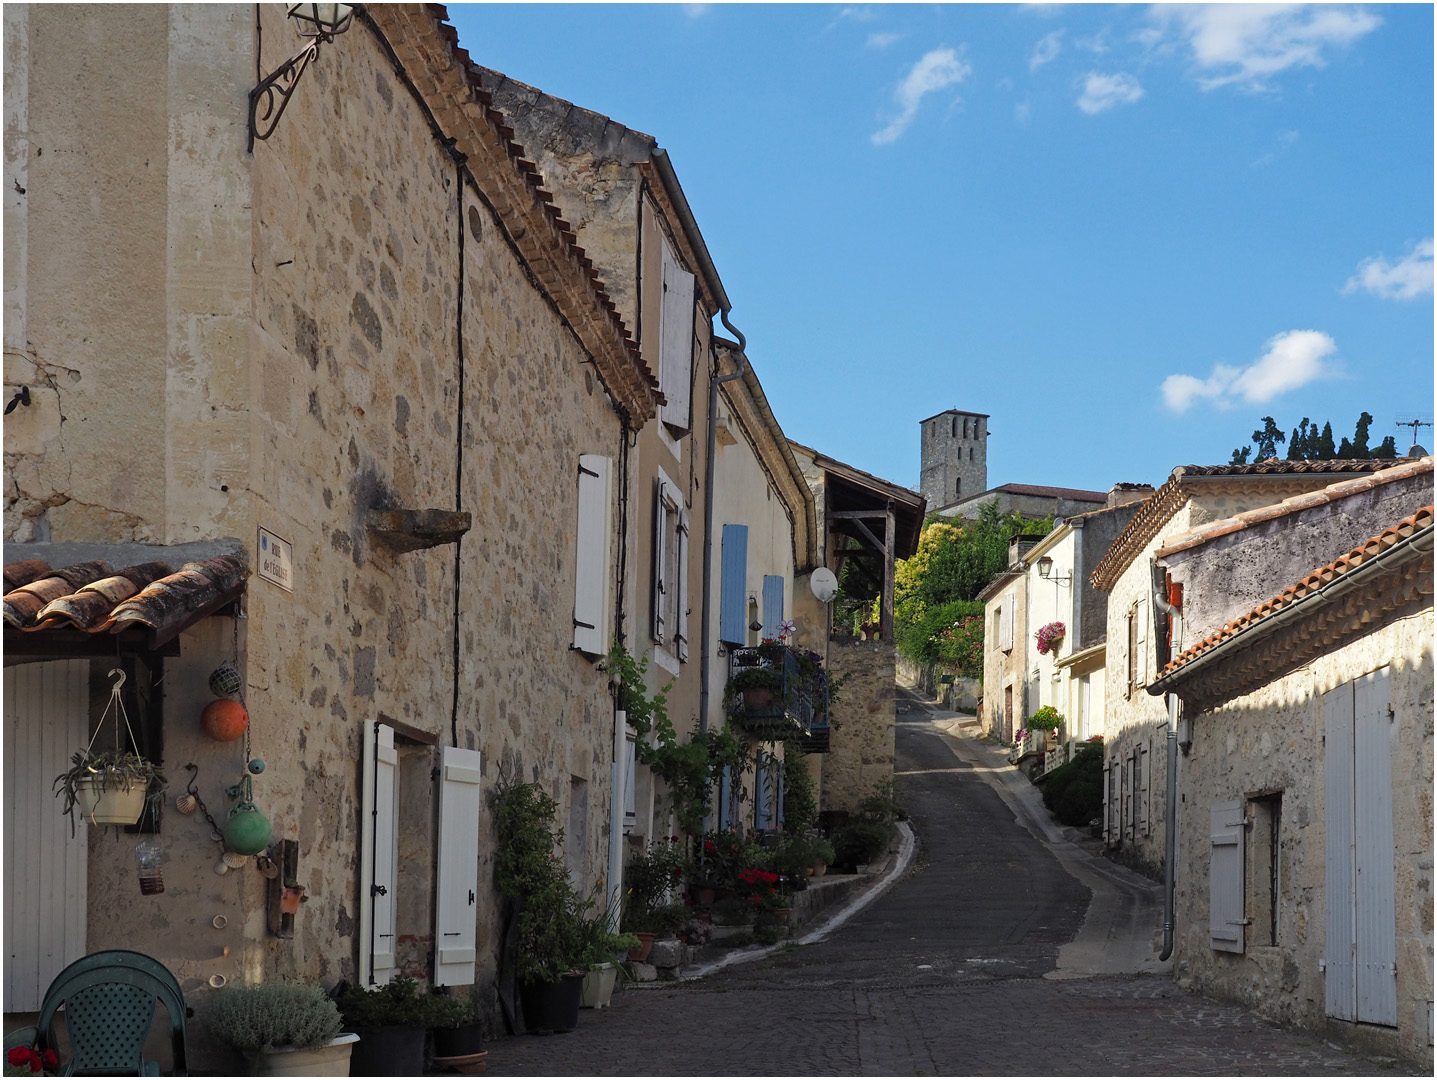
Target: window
<point x="955" y="427"/>
<point x="676" y="343"/>
<point x="970" y="453"/>
<point x="1264" y="873"/>
<point x="591" y="556"/>
<point x="671" y="557"/>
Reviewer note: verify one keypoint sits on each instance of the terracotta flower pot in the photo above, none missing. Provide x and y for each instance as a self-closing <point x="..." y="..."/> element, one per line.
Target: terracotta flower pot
<point x="758" y="697"/>
<point x="641" y="952"/>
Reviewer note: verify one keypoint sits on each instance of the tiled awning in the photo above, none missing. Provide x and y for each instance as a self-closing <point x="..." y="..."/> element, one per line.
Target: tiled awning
<point x="68" y="604"/>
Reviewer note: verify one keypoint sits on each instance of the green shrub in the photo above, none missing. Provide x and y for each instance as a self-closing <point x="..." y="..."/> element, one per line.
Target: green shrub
<point x="861" y="842"/>
<point x="800" y="797"/>
<point x="399" y="1004"/>
<point x="1074" y="792"/>
<point x="254" y="1018"/>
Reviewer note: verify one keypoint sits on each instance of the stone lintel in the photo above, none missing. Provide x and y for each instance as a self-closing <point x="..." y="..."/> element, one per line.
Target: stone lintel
<point x="410" y="530"/>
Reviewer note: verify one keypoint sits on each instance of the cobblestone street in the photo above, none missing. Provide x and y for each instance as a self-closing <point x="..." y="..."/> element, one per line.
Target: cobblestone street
<point x="941" y="975"/>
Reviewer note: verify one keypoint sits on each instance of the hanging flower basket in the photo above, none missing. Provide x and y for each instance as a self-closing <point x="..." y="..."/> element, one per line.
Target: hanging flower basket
<point x="102" y="805"/>
<point x="1049" y="636"/>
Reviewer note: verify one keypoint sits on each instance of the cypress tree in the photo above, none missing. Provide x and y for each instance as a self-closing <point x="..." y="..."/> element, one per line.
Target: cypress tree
<point x="1325" y="449"/>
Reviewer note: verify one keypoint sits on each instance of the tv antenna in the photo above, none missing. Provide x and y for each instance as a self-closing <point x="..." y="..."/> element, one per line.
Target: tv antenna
<point x="1416" y="422"/>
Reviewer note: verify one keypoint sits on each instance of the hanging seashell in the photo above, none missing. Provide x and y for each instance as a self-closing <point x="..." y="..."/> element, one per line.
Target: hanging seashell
<point x="234" y="860"/>
<point x="226" y="681"/>
<point x="186" y="803"/>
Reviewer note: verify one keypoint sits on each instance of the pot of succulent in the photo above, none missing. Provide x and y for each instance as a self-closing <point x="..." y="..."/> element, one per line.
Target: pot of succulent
<point x="283" y="1029"/>
<point x="601" y="949"/>
<point x="109" y="787"/>
<point x="391" y="1022"/>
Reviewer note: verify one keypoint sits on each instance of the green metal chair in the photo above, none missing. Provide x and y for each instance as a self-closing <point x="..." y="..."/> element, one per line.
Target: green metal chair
<point x="109" y="1000"/>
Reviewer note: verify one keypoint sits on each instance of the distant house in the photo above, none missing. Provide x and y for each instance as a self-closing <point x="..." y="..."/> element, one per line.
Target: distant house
<point x="1030" y="500"/>
<point x="1143" y="635"/>
<point x="1304" y="880"/>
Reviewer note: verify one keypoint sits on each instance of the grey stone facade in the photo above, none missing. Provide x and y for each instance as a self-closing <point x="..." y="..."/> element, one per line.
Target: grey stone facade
<point x="954" y="448"/>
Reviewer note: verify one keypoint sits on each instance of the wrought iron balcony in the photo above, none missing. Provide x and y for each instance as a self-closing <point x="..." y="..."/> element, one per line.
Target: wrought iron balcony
<point x="777" y="702"/>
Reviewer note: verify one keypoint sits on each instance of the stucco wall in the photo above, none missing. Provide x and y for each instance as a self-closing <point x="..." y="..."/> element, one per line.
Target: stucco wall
<point x="1272" y="740"/>
<point x="1003" y="669"/>
<point x="862" y="748"/>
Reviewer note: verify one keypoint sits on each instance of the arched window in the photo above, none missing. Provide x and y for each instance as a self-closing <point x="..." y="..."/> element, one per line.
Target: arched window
<point x="955" y="427"/>
<point x="965" y="427"/>
<point x="970" y="453"/>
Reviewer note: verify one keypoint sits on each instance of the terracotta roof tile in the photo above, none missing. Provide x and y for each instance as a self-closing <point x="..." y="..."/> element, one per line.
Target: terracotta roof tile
<point x="1318" y="579"/>
<point x="1211" y="530"/>
<point x="89" y="596"/>
<point x="1162" y="504"/>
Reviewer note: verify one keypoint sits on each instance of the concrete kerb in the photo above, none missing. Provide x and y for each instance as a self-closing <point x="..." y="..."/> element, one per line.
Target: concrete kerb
<point x="827" y="925"/>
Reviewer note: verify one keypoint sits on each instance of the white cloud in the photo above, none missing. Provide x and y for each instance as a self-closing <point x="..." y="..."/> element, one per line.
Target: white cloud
<point x="1047" y="50"/>
<point x="1285" y="141"/>
<point x="882" y="41"/>
<point x="696" y="11"/>
<point x="1022" y="111"/>
<point x="1247" y="44"/>
<point x="937" y="69"/>
<point x="857" y="13"/>
<point x="1097" y="43"/>
<point x="1102" y="92"/>
<point x="1406" y="279"/>
<point x="1292" y="359"/>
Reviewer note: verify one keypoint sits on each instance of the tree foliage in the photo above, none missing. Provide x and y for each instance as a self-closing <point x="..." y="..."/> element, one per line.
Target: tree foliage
<point x="935" y="607"/>
<point x="1308" y="443"/>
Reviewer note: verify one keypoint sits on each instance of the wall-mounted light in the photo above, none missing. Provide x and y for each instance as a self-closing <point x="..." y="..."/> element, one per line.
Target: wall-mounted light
<point x="1045" y="571"/>
<point x="318" y="22"/>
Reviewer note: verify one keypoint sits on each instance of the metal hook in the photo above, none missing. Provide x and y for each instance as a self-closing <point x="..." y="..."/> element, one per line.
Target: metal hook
<point x="120" y="681"/>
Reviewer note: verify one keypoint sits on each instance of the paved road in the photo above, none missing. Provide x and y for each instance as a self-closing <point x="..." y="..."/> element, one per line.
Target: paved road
<point x="944" y="974"/>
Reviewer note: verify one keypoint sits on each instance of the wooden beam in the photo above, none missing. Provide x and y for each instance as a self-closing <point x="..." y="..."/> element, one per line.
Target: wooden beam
<point x="885" y="622"/>
<point x="854" y="515"/>
<point x="867" y="532"/>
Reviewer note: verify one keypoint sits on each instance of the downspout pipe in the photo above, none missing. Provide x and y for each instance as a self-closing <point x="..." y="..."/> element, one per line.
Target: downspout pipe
<point x="1170" y="858"/>
<point x="710" y="469"/>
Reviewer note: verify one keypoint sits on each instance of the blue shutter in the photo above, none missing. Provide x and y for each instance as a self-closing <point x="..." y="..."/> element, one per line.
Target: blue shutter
<point x="733" y="592"/>
<point x="772" y="605"/>
<point x="761" y="801"/>
<point x="725" y="787"/>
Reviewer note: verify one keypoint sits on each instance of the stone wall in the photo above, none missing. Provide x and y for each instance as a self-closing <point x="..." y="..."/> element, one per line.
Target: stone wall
<point x="862" y="748"/>
<point x="1272" y="741"/>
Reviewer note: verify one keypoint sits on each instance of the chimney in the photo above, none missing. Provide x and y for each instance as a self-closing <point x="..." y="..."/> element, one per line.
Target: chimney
<point x="1019" y="545"/>
<point x="1119" y="494"/>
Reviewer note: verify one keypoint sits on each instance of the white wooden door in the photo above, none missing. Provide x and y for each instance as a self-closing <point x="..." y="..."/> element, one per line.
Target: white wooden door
<point x="46" y="720"/>
<point x="454" y="916"/>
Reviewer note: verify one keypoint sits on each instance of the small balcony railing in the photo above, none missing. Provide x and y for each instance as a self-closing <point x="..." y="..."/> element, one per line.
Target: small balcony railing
<point x="784" y="710"/>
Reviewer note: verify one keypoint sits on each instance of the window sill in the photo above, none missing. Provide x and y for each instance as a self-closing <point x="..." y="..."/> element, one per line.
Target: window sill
<point x="665" y="660"/>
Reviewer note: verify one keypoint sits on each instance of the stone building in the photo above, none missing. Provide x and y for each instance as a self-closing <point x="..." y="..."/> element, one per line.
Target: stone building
<point x="373" y="330"/>
<point x="1142" y="640"/>
<point x="1304" y="884"/>
<point x="954" y="456"/>
<point x="866" y="524"/>
<point x="1032" y="501"/>
<point x="1009" y="695"/>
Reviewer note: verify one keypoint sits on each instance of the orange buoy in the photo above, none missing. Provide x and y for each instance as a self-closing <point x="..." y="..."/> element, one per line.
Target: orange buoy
<point x="224" y="720"/>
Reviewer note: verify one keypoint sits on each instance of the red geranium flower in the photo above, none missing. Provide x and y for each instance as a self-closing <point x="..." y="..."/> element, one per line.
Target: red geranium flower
<point x="20" y="1055"/>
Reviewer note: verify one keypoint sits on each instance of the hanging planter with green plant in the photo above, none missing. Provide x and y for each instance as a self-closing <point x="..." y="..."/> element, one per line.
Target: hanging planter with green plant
<point x="110" y="787"/>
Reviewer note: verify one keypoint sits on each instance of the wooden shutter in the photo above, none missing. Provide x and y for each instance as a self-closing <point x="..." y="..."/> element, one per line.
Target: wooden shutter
<point x="761" y="808"/>
<point x="772" y="604"/>
<point x="1140" y="665"/>
<point x="1375" y="894"/>
<point x="661" y="562"/>
<point x="1225" y="877"/>
<point x="630" y="764"/>
<point x="1005" y="620"/>
<point x="384" y="813"/>
<point x="725" y="791"/>
<point x="591" y="559"/>
<point x="1125" y="797"/>
<point x="458" y="857"/>
<point x="676" y="342"/>
<point x="733" y="585"/>
<point x="681" y="609"/>
<point x="1107" y="801"/>
<point x="1145" y="777"/>
<point x="1341" y="856"/>
<point x="47" y="716"/>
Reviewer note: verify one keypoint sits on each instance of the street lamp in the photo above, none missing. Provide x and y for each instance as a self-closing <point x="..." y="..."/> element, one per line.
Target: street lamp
<point x="1045" y="571"/>
<point x="267" y="101"/>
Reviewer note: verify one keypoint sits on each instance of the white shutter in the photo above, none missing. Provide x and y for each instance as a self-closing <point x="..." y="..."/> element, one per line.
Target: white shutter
<point x="676" y="342"/>
<point x="591" y="555"/>
<point x="1141" y="667"/>
<point x="1125" y="811"/>
<point x="631" y="814"/>
<point x="47" y="714"/>
<point x="1225" y="877"/>
<point x="681" y="609"/>
<point x="458" y="858"/>
<point x="381" y="898"/>
<point x="1375" y="894"/>
<point x="1005" y="620"/>
<point x="661" y="560"/>
<point x="1341" y="858"/>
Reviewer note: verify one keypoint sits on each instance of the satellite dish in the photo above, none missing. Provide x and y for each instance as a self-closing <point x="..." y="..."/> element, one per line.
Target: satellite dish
<point x="824" y="584"/>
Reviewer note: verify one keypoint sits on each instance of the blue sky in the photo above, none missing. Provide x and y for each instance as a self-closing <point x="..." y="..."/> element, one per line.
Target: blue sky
<point x="1127" y="233"/>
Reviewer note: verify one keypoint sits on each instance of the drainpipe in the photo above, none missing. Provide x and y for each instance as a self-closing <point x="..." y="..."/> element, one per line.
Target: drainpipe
<point x="1171" y="829"/>
<point x="618" y="778"/>
<point x="706" y="636"/>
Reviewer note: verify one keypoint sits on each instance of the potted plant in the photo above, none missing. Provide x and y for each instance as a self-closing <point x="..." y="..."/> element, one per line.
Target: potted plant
<point x="454" y="1028"/>
<point x="551" y="947"/>
<point x="758" y="686"/>
<point x="283" y="1029"/>
<point x="601" y="947"/>
<point x="391" y="1022"/>
<point x="109" y="787"/>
